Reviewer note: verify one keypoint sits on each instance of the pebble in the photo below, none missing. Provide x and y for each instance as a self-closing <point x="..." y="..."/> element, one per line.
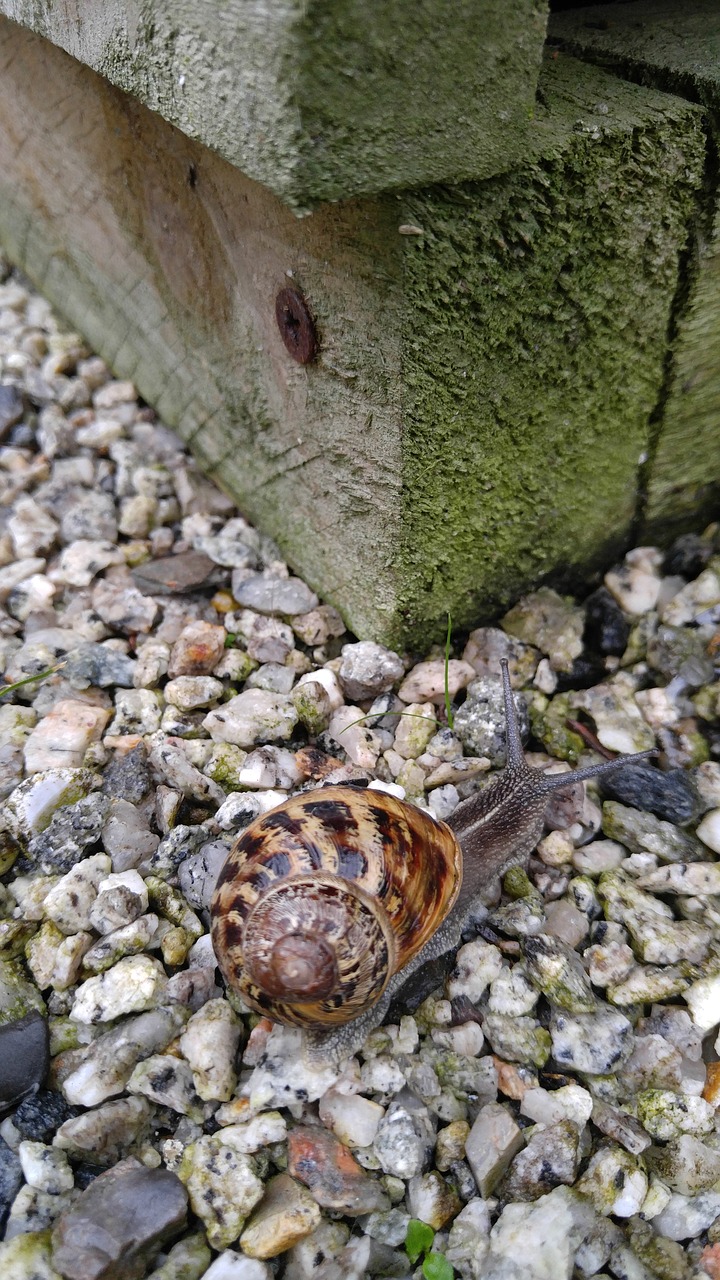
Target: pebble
<point x="190" y="692"/>
<point x="352" y="1118"/>
<point x="41" y="1114"/>
<point x="24" y="1057"/>
<point x="670" y="795"/>
<point x="174" y="575"/>
<point x="665" y="1114"/>
<point x="606" y="628"/>
<point x="491" y="1144"/>
<point x="199" y="871"/>
<point x="197" y="650"/>
<point x="431" y="1199"/>
<point x="614" y="1183"/>
<point x="222" y="1187"/>
<point x="169" y="1082"/>
<point x="703" y="999"/>
<point x="70" y="901"/>
<point x="368" y="669"/>
<point x="685" y="1217"/>
<point x="643" y="833"/>
<point x="331" y="1174"/>
<point x="97" y="665"/>
<point x="262" y="1131"/>
<point x="590" y="1042"/>
<point x="542" y="1230"/>
<point x="270" y="594"/>
<point x="550" y="1159"/>
<point x="405" y="1138"/>
<point x="134" y="984"/>
<point x="550" y="623"/>
<point x="252" y="717"/>
<point x="709" y="830"/>
<point x="83" y="560"/>
<point x="284" y="1077"/>
<point x="126" y="835"/>
<point x="570" y="1102"/>
<point x="286" y="1215"/>
<point x="61" y="738"/>
<point x="119" y="1223"/>
<point x="108" y="1062"/>
<point x="480" y="721"/>
<point x="209" y="1043"/>
<point x="426" y="682"/>
<point x="477" y="964"/>
<point x="230" y="1266"/>
<point x="557" y="971"/>
<point x="11" y="1179"/>
<point x="45" y="1168"/>
<point x="349" y="730"/>
<point x="104" y="1135"/>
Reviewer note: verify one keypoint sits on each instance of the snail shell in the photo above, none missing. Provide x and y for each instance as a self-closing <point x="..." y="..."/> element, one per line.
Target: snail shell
<point x="324" y="898"/>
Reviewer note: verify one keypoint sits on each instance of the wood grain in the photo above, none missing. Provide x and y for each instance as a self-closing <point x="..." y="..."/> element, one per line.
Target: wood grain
<point x="483" y="391"/>
<point x="321" y="99"/>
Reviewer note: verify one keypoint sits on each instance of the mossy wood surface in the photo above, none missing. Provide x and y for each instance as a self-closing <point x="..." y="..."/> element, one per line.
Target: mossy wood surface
<point x="476" y="415"/>
<point x="321" y="99"/>
<point x="675" y="47"/>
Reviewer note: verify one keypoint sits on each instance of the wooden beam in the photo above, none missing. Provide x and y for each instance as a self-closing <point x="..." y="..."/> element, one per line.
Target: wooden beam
<point x="475" y="415"/>
<point x="321" y="99"/>
<point x="676" y="48"/>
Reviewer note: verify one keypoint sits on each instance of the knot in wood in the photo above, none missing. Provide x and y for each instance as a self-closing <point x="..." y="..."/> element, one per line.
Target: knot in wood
<point x="296" y="325"/>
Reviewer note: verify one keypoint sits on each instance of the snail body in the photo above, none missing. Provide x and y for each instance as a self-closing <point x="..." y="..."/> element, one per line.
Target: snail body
<point x="329" y="902"/>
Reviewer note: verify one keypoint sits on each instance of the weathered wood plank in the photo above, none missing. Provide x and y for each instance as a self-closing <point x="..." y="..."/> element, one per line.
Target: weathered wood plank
<point x="481" y="397"/>
<point x="676" y="48"/>
<point x="321" y="99"/>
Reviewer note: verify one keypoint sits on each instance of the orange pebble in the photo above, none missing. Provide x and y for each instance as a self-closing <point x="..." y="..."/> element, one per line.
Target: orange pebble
<point x="709" y="1259"/>
<point x="224" y="602"/>
<point x="711" y="1092"/>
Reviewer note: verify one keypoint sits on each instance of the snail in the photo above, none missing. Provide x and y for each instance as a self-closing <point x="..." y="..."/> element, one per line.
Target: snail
<point x="328" y="903"/>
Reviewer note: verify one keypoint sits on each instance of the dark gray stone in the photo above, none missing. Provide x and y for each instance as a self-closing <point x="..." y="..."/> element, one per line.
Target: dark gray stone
<point x="40" y="1116"/>
<point x="94" y="664"/>
<point x="177" y="575"/>
<point x="606" y="627"/>
<point x="73" y="831"/>
<point x="12" y="407"/>
<point x="687" y="556"/>
<point x="119" y="1223"/>
<point x="24" y="1058"/>
<point x="670" y="795"/>
<point x="11" y="1180"/>
<point x="127" y="777"/>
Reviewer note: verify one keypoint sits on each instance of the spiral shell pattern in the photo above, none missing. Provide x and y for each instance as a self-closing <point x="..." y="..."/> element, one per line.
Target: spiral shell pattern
<point x="370" y="875"/>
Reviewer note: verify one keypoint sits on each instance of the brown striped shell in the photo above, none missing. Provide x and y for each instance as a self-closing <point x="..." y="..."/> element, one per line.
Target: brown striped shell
<point x="326" y="896"/>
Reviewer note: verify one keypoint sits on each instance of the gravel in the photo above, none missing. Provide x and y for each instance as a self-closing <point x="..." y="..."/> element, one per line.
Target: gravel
<point x="556" y="1100"/>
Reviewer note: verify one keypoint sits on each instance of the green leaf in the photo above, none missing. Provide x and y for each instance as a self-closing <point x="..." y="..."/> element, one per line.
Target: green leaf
<point x="418" y="1239"/>
<point x="448" y="704"/>
<point x="437" y="1267"/>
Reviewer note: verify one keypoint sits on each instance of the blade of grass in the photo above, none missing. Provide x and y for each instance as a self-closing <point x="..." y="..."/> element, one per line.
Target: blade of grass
<point x="448" y="704"/>
<point x="39" y="675"/>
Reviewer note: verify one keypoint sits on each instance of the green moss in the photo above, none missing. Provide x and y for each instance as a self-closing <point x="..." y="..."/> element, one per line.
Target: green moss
<point x="28" y="1257"/>
<point x="531" y="364"/>
<point x="517" y="884"/>
<point x="225" y="764"/>
<point x="18" y="995"/>
<point x="549" y="726"/>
